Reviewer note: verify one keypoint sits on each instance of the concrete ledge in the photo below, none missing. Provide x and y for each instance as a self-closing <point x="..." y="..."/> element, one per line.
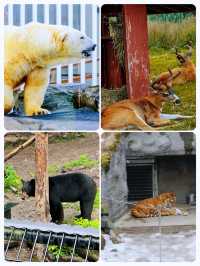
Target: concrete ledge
<point x="155" y="229"/>
<point x="168" y="224"/>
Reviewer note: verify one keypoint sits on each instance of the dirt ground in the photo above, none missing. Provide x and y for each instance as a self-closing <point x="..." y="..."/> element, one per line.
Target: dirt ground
<point x="59" y="153"/>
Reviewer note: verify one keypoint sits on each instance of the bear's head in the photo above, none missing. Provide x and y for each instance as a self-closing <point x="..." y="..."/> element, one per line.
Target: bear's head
<point x="75" y="44"/>
<point x="28" y="188"/>
<point x="56" y="44"/>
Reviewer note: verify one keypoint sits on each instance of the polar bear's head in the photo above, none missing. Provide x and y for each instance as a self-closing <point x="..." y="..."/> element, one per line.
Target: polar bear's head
<point x="56" y="43"/>
<point x="76" y="44"/>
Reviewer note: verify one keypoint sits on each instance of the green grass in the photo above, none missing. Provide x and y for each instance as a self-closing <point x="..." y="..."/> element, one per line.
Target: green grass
<point x="169" y="34"/>
<point x="160" y="61"/>
<point x="53" y="169"/>
<point x="86" y="223"/>
<point x="64" y="137"/>
<point x="84" y="161"/>
<point x="76" y="207"/>
<point x="97" y="200"/>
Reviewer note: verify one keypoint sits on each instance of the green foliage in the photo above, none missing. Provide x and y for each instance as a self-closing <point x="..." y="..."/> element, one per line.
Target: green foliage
<point x="55" y="251"/>
<point x="170" y="34"/>
<point x="105" y="160"/>
<point x="86" y="223"/>
<point x="83" y="161"/>
<point x="63" y="137"/>
<point x="97" y="200"/>
<point x="11" y="180"/>
<point x="171" y="17"/>
<point x="160" y="61"/>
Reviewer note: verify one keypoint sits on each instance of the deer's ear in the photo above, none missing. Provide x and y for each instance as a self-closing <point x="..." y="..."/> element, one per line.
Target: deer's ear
<point x="176" y="75"/>
<point x="170" y="72"/>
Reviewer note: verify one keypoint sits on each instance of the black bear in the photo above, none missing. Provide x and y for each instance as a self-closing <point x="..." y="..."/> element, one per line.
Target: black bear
<point x="67" y="188"/>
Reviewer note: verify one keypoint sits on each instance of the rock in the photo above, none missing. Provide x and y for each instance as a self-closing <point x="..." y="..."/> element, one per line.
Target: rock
<point x="86" y="98"/>
<point x="63" y="116"/>
<point x="114" y="237"/>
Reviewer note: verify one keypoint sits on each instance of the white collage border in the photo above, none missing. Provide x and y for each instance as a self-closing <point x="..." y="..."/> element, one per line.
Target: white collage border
<point x="100" y="131"/>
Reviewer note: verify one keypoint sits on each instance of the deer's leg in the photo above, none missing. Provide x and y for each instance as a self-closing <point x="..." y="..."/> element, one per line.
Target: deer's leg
<point x="122" y="118"/>
<point x="160" y="122"/>
<point x="140" y="123"/>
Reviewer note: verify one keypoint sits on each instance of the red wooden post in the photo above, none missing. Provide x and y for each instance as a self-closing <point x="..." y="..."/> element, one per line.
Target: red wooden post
<point x="112" y="67"/>
<point x="136" y="50"/>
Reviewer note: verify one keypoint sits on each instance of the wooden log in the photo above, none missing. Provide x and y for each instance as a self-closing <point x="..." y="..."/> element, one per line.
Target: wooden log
<point x="42" y="179"/>
<point x="19" y="148"/>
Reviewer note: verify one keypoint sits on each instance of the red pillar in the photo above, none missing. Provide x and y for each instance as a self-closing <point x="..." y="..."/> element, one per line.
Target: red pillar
<point x="136" y="50"/>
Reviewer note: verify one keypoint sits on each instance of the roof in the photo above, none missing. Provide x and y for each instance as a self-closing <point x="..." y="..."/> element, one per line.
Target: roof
<point x="113" y="10"/>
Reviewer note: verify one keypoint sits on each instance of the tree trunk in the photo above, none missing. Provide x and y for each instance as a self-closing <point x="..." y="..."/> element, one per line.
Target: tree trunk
<point x="42" y="180"/>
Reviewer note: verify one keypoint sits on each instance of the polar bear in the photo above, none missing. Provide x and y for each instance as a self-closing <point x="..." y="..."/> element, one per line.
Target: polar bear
<point x="29" y="53"/>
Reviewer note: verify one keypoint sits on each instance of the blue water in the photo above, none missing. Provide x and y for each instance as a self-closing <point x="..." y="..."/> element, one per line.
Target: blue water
<point x="65" y="119"/>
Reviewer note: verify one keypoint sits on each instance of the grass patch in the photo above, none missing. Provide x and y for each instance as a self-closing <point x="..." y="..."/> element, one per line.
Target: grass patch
<point x="71" y="205"/>
<point x="97" y="200"/>
<point x="12" y="181"/>
<point x="86" y="223"/>
<point x="160" y="61"/>
<point x="53" y="169"/>
<point x="84" y="161"/>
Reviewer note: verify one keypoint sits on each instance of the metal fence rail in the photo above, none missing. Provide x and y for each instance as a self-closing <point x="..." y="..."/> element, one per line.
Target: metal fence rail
<point x="23" y="239"/>
<point x="84" y="19"/>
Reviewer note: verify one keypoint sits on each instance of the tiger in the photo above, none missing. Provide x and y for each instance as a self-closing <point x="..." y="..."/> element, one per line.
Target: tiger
<point x="162" y="205"/>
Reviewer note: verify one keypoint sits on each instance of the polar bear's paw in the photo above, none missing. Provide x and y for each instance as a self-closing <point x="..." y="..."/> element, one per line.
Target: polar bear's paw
<point x="38" y="111"/>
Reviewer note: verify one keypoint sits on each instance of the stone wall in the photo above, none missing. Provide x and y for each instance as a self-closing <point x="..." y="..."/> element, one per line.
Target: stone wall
<point x="178" y="174"/>
<point x="114" y="186"/>
<point x="151" y="144"/>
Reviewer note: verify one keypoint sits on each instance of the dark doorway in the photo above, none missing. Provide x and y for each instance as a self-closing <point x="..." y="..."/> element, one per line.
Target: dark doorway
<point x="140" y="181"/>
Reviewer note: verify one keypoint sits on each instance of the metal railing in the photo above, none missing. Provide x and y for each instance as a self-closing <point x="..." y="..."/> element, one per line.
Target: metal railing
<point x="23" y="240"/>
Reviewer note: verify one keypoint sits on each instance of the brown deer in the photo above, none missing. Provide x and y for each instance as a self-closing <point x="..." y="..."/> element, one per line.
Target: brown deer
<point x="187" y="68"/>
<point x="143" y="113"/>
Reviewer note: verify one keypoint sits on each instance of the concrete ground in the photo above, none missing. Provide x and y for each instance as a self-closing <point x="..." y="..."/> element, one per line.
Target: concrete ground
<point x="176" y="247"/>
<point x="168" y="223"/>
<point x="169" y="239"/>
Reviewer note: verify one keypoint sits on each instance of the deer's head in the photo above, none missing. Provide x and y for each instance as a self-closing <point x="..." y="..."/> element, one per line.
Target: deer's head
<point x="163" y="87"/>
<point x="184" y="58"/>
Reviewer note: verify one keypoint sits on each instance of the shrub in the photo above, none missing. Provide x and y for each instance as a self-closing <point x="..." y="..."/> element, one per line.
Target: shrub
<point x="12" y="181"/>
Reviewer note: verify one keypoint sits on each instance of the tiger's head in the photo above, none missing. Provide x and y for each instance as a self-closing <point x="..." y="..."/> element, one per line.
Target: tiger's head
<point x="168" y="198"/>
